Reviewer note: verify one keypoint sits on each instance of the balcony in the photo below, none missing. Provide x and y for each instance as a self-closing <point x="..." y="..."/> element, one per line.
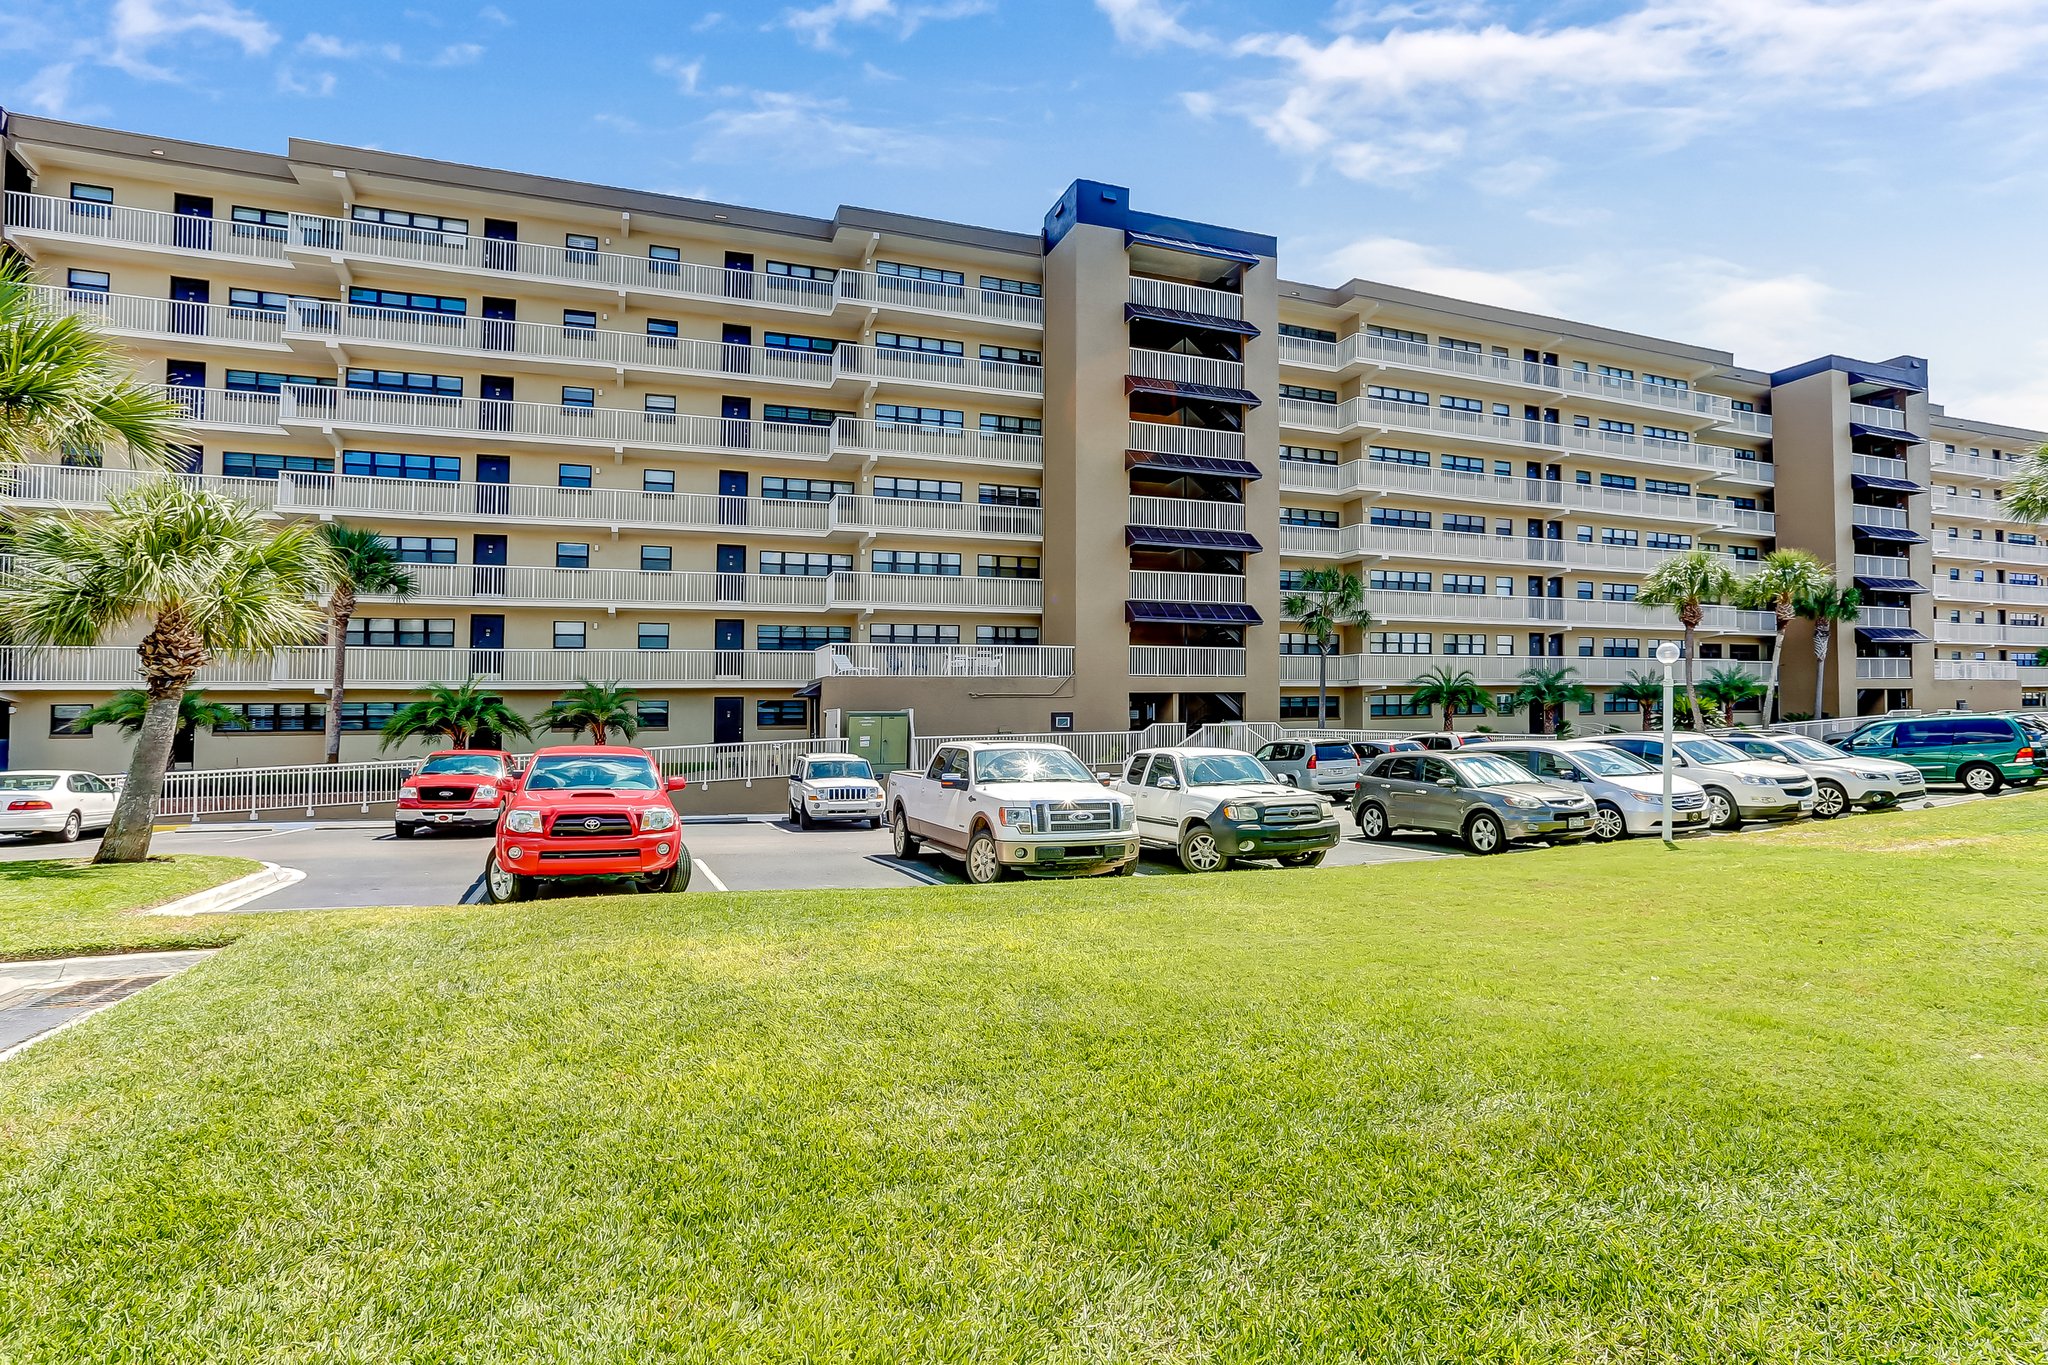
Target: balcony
<point x="1187" y="512"/>
<point x="1151" y="585"/>
<point x="938" y="371"/>
<point x="1507" y="493"/>
<point x="1882" y="566"/>
<point x="1963" y="464"/>
<point x="1975" y="509"/>
<point x="1457" y="550"/>
<point x="1181" y="368"/>
<point x="76" y="486"/>
<point x="1983" y="636"/>
<point x="917" y="592"/>
<point x="530" y="586"/>
<point x="1878" y="466"/>
<point x="1886" y="618"/>
<point x="1566" y="611"/>
<point x="1975" y="670"/>
<point x="1164" y="438"/>
<point x="187" y="324"/>
<point x="1393" y="672"/>
<point x="894" y="293"/>
<point x="1186" y="298"/>
<point x="1186" y="661"/>
<point x="909" y="517"/>
<point x="90" y="225"/>
<point x="1884" y="670"/>
<point x="945" y="661"/>
<point x="230" y="409"/>
<point x="615" y="508"/>
<point x="306" y="669"/>
<point x="1864" y="514"/>
<point x="954" y="445"/>
<point x="1889" y="419"/>
<point x="2030" y="596"/>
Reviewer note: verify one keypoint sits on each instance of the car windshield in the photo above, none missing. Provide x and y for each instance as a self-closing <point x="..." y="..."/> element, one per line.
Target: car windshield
<point x="1812" y="750"/>
<point x="1218" y="770"/>
<point x="592" y="772"/>
<point x="27" y="782"/>
<point x="480" y="764"/>
<point x="1703" y="750"/>
<point x="1490" y="770"/>
<point x="840" y="767"/>
<point x="1606" y="762"/>
<point x="1029" y="765"/>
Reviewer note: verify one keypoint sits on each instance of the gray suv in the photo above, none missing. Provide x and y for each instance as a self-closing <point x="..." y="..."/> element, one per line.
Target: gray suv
<point x="1481" y="798"/>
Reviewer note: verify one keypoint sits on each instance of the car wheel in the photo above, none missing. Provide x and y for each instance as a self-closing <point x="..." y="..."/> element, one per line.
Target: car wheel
<point x="1198" y="850"/>
<point x="1981" y="778"/>
<point x="1304" y="859"/>
<point x="1829" y="801"/>
<point x="503" y="885"/>
<point x="984" y="860"/>
<point x="874" y="822"/>
<point x="1372" y="821"/>
<point x="1722" y="812"/>
<point x="1609" y="823"/>
<point x="662" y="882"/>
<point x="803" y="817"/>
<point x="1129" y="869"/>
<point x="906" y="843"/>
<point x="68" y="834"/>
<point x="1484" y="834"/>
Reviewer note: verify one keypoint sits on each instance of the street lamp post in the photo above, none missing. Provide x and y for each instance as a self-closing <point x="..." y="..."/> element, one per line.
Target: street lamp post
<point x="1667" y="655"/>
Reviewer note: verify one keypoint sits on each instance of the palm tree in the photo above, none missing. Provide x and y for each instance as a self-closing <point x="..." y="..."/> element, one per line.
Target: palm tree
<point x="1454" y="689"/>
<point x="128" y="708"/>
<point x="1825" y="606"/>
<point x="1646" y="690"/>
<point x="1729" y="687"/>
<point x="1780" y="581"/>
<point x="2026" y="497"/>
<point x="201" y="572"/>
<point x="1327" y="601"/>
<point x="1689" y="583"/>
<point x="458" y="713"/>
<point x="596" y="707"/>
<point x="365" y="566"/>
<point x="1544" y="690"/>
<point x="65" y="386"/>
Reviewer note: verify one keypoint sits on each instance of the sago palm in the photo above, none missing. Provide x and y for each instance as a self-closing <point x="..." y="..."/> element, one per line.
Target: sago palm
<point x="1454" y="689"/>
<point x="1646" y="690"/>
<point x="65" y="386"/>
<point x="1689" y="583"/>
<point x="1327" y="601"/>
<point x="128" y="708"/>
<point x="201" y="573"/>
<point x="1779" y="582"/>
<point x="598" y="708"/>
<point x="1827" y="606"/>
<point x="2026" y="497"/>
<point x="1545" y="690"/>
<point x="365" y="566"/>
<point x="1730" y="687"/>
<point x="458" y="714"/>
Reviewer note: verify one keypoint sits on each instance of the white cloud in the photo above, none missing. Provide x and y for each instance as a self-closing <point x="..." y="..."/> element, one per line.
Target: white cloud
<point x="457" y="54"/>
<point x="1768" y="321"/>
<point x="684" y="74"/>
<point x="1513" y="179"/>
<point x="331" y="48"/>
<point x="1150" y="23"/>
<point x="49" y="90"/>
<point x="819" y="24"/>
<point x="712" y="19"/>
<point x="491" y="14"/>
<point x="137" y="27"/>
<point x="804" y="130"/>
<point x="319" y="84"/>
<point x="1414" y="265"/>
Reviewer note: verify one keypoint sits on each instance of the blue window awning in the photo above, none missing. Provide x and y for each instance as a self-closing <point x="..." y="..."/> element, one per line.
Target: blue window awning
<point x="1191" y="464"/>
<point x="1889" y="381"/>
<point x="1132" y="237"/>
<point x="1904" y="585"/>
<point x="1208" y="321"/>
<point x="1218" y="613"/>
<point x="1889" y="485"/>
<point x="1884" y="433"/>
<point x="1898" y="533"/>
<point x="1892" y="635"/>
<point x="1211" y="393"/>
<point x="1190" y="537"/>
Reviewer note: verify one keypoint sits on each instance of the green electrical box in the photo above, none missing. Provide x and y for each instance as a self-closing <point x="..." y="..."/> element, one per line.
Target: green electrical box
<point x="880" y="737"/>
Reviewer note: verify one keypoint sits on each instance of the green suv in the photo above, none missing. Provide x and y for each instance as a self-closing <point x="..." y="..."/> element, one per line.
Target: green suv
<point x="1983" y="752"/>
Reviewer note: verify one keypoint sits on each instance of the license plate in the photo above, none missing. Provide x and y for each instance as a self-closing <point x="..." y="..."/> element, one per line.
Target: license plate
<point x="1577" y="821"/>
<point x="442" y="817"/>
<point x="1806" y="803"/>
<point x="1692" y="817"/>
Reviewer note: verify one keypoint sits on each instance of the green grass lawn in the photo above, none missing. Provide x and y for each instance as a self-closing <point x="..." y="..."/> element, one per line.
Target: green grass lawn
<point x="1783" y="1097"/>
<point x="59" y="907"/>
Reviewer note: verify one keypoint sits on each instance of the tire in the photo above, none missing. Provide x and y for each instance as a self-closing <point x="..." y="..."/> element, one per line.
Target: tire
<point x="1372" y="821"/>
<point x="504" y="886"/>
<point x="662" y="882"/>
<point x="1981" y="778"/>
<point x="1484" y="834"/>
<point x="1609" y="824"/>
<point x="1829" y="801"/>
<point x="73" y="823"/>
<point x="1314" y="859"/>
<point x="1722" y="812"/>
<point x="1198" y="850"/>
<point x="984" y="861"/>
<point x="874" y="822"/>
<point x="1129" y="869"/>
<point x="905" y="842"/>
<point x="803" y="817"/>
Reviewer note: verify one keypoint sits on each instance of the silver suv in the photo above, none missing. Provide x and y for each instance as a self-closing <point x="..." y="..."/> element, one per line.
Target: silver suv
<point x="1738" y="787"/>
<point x="1479" y="797"/>
<point x="1329" y="766"/>
<point x="1628" y="794"/>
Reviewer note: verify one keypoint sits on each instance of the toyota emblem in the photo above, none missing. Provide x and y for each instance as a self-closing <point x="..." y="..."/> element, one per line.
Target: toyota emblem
<point x="593" y="823"/>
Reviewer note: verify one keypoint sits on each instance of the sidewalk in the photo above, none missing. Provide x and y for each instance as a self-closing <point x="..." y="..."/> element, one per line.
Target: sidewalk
<point x="38" y="998"/>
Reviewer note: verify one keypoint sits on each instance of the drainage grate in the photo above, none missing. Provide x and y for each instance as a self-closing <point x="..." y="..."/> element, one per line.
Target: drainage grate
<point x="86" y="994"/>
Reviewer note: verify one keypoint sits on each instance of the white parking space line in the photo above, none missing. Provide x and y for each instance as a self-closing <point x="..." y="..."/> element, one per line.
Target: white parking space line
<point x="916" y="871"/>
<point x="707" y="874"/>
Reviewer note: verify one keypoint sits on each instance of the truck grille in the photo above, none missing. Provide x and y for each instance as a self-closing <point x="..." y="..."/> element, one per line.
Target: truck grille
<point x="1688" y="800"/>
<point x="596" y="824"/>
<point x="446" y="793"/>
<point x="1077" y="817"/>
<point x="1796" y="786"/>
<point x="847" y="794"/>
<point x="1292" y="815"/>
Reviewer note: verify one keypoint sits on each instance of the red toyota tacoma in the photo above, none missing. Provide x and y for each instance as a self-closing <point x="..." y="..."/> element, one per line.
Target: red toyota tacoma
<point x="587" y="811"/>
<point x="455" y="787"/>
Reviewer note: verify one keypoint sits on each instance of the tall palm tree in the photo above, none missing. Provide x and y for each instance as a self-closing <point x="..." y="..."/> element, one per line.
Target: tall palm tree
<point x="365" y="566"/>
<point x="1689" y="583"/>
<point x="1547" y="690"/>
<point x="1827" y="606"/>
<point x="201" y="572"/>
<point x="128" y="708"/>
<point x="1779" y="582"/>
<point x="1454" y="689"/>
<point x="1327" y="601"/>
<point x="596" y="707"/>
<point x="1729" y="687"/>
<point x="2026" y="497"/>
<point x="458" y="714"/>
<point x="1646" y="690"/>
<point x="65" y="386"/>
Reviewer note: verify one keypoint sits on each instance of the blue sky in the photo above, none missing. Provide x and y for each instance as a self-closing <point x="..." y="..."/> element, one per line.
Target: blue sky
<point x="1781" y="178"/>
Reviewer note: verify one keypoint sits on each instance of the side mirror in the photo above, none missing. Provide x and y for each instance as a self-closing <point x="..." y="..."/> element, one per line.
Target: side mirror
<point x="1169" y="784"/>
<point x="676" y="784"/>
<point x="1290" y="779"/>
<point x="953" y="784"/>
<point x="508" y="783"/>
<point x="1447" y="782"/>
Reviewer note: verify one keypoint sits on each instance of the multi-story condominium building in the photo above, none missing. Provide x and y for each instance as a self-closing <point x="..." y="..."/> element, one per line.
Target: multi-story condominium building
<point x="771" y="470"/>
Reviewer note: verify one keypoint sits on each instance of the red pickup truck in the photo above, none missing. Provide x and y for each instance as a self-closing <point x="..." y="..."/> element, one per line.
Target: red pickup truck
<point x="455" y="788"/>
<point x="587" y="811"/>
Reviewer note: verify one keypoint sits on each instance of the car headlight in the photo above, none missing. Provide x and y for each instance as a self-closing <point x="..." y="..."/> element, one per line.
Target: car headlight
<point x="1126" y="815"/>
<point x="1240" y="812"/>
<point x="1869" y="776"/>
<point x="523" y="822"/>
<point x="408" y="790"/>
<point x="1523" y="802"/>
<point x="1748" y="781"/>
<point x="1649" y="798"/>
<point x="1015" y="817"/>
<point x="657" y="817"/>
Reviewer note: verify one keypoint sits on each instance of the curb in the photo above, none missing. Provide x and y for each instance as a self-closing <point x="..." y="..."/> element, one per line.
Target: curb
<point x="231" y="895"/>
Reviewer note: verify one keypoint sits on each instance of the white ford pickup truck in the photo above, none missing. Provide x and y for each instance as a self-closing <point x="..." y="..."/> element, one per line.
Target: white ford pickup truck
<point x="1029" y="808"/>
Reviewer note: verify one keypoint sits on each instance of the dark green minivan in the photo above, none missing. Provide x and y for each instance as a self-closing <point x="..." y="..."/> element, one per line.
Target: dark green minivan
<point x="1981" y="752"/>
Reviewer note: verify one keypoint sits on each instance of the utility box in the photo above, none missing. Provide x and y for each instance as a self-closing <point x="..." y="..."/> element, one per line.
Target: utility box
<point x="880" y="737"/>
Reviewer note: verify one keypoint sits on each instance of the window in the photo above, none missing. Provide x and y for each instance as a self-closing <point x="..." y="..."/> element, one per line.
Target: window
<point x="367" y="717"/>
<point x="1293" y="580"/>
<point x="800" y="637"/>
<point x="796" y="416"/>
<point x="255" y="222"/>
<point x="790" y="341"/>
<point x="422" y="549"/>
<point x="1397" y="334"/>
<point x="1011" y="355"/>
<point x="1464" y="464"/>
<point x="652" y="715"/>
<point x="276" y="717"/>
<point x="268" y="301"/>
<point x="802" y="272"/>
<point x="572" y="476"/>
<point x="91" y="200"/>
<point x="1453" y="344"/>
<point x="919" y="272"/>
<point x="1617" y="592"/>
<point x="1464" y="644"/>
<point x="914" y="635"/>
<point x="1397" y="704"/>
<point x="773" y="715"/>
<point x="1668" y="540"/>
<point x="243" y="464"/>
<point x="1400" y="516"/>
<point x="400" y="300"/>
<point x="64" y="717"/>
<point x="389" y="464"/>
<point x="1612" y="536"/>
<point x="1006" y="635"/>
<point x="665" y="260"/>
<point x="568" y="635"/>
<point x="657" y="558"/>
<point x="800" y="564"/>
<point x="1471" y="584"/>
<point x="1313" y="455"/>
<point x="425" y="222"/>
<point x="1621" y="649"/>
<point x="1013" y="426"/>
<point x="1617" y="481"/>
<point x="1667" y="486"/>
<point x="402" y="381"/>
<point x="1007" y="566"/>
<point x="405" y="632"/>
<point x="1616" y="372"/>
<point x="1304" y="707"/>
<point x="909" y="414"/>
<point x="1397" y="455"/>
<point x="1464" y="524"/>
<point x="918" y="490"/>
<point x="1288" y="329"/>
<point x="1457" y="404"/>
<point x="579" y="320"/>
<point x="1658" y="381"/>
<point x="1745" y="552"/>
<point x="1608" y="424"/>
<point x="263" y="381"/>
<point x="654" y="635"/>
<point x="578" y="396"/>
<point x="663" y="332"/>
<point x="1388" y="394"/>
<point x="1297" y="642"/>
<point x="1667" y="434"/>
<point x="1008" y="495"/>
<point x="89" y="281"/>
<point x="928" y="562"/>
<point x="1398" y="580"/>
<point x="781" y="488"/>
<point x="1308" y="516"/>
<point x="1308" y="395"/>
<point x="1398" y="642"/>
<point x="571" y="555"/>
<point x="900" y="341"/>
<point x="1003" y="286"/>
<point x="660" y="406"/>
<point x="580" y="248"/>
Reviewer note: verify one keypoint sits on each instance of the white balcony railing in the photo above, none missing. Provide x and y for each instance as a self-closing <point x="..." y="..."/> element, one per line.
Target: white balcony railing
<point x="1186" y="298"/>
<point x="937" y="518"/>
<point x="1393" y="542"/>
<point x="1976" y="509"/>
<point x="306" y="667"/>
<point x="1975" y="670"/>
<point x="1879" y="466"/>
<point x="949" y="300"/>
<point x="1989" y="633"/>
<point x="1167" y="439"/>
<point x="1882" y="566"/>
<point x="861" y="591"/>
<point x="1569" y="611"/>
<point x="1393" y="672"/>
<point x="229" y="408"/>
<point x="531" y="585"/>
<point x="1186" y="661"/>
<point x="1509" y="492"/>
<point x="1187" y="512"/>
<point x="1882" y="670"/>
<point x="170" y="319"/>
<point x="143" y="228"/>
<point x="49" y="485"/>
<point x="1151" y="585"/>
<point x="945" y="661"/>
<point x="1886" y="618"/>
<point x="1863" y="514"/>
<point x="618" y="507"/>
<point x="942" y="371"/>
<point x="863" y="436"/>
<point x="1962" y="463"/>
<point x="1869" y="415"/>
<point x="1186" y="369"/>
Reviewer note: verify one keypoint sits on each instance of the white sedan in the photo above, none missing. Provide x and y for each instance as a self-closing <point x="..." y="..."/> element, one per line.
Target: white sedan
<point x="56" y="805"/>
